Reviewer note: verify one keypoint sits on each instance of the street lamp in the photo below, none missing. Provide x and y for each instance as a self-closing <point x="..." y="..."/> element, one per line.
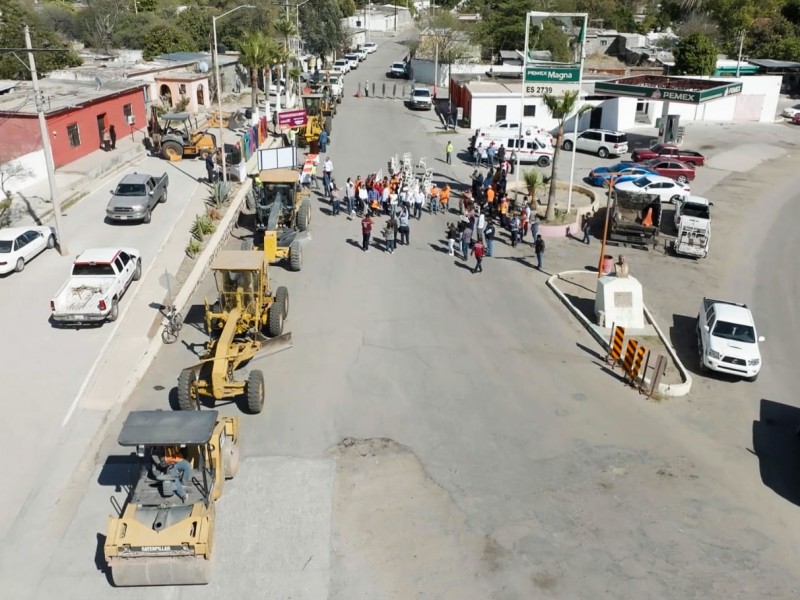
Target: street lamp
<point x="215" y="58"/>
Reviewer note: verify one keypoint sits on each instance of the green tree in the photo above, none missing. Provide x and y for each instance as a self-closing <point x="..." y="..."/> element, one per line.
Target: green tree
<point x="162" y="39"/>
<point x="286" y="29"/>
<point x="561" y="108"/>
<point x="15" y="17"/>
<point x="348" y="7"/>
<point x="773" y="38"/>
<point x="196" y="23"/>
<point x="696" y="55"/>
<point x="321" y="27"/>
<point x="254" y="55"/>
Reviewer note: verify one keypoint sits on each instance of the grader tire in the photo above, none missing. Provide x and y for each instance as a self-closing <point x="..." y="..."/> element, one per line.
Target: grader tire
<point x="275" y="320"/>
<point x="185" y="400"/>
<point x="329" y="125"/>
<point x="254" y="392"/>
<point x="304" y="215"/>
<point x="295" y="256"/>
<point x="282" y="298"/>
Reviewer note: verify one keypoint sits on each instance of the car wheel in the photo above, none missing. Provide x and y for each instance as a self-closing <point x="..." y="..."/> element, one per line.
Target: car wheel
<point x="137" y="273"/>
<point x="543" y="161"/>
<point x="681" y="179"/>
<point x="567" y="145"/>
<point x="602" y="153"/>
<point x="20" y="265"/>
<point x="147" y="216"/>
<point x="51" y="241"/>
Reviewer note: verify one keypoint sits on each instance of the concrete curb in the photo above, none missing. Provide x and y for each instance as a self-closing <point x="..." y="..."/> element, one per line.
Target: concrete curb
<point x="664" y="389"/>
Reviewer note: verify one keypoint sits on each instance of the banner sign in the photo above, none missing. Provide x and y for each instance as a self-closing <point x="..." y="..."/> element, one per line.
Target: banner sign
<point x="292" y="118"/>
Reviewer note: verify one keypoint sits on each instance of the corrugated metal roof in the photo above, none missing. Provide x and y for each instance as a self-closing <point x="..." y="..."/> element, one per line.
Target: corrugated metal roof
<point x="769" y="63"/>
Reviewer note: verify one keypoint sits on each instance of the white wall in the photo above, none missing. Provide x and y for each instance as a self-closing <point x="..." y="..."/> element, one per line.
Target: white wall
<point x="423" y="71"/>
<point x="757" y="102"/>
<point x="33" y="161"/>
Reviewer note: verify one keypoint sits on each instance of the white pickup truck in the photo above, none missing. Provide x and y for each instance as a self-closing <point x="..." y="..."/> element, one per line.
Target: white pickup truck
<point x="99" y="278"/>
<point x="693" y="222"/>
<point x="727" y="341"/>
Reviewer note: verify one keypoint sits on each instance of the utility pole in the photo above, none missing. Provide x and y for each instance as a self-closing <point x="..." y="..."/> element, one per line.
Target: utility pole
<point x="48" y="151"/>
<point x="739" y="60"/>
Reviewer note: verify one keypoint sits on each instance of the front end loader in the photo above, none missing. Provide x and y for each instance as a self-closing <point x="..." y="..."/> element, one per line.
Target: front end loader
<point x="158" y="536"/>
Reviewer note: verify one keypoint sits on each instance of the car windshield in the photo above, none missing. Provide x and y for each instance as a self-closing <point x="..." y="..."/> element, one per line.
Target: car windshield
<point x="5" y="246"/>
<point x="696" y="210"/>
<point x="658" y="148"/>
<point x="422" y="93"/>
<point x="616" y="138"/>
<point x="92" y="269"/>
<point x="735" y="332"/>
<point x="130" y="189"/>
<point x="398" y="65"/>
<point x="642" y="182"/>
<point x="340" y="63"/>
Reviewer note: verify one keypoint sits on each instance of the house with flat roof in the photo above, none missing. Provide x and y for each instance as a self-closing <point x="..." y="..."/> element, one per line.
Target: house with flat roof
<point x="77" y="114"/>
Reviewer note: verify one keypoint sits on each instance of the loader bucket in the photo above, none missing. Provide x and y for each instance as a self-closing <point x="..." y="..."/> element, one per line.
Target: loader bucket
<point x="183" y="570"/>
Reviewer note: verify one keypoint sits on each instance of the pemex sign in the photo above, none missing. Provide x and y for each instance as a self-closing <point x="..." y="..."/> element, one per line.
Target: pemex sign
<point x="552" y="80"/>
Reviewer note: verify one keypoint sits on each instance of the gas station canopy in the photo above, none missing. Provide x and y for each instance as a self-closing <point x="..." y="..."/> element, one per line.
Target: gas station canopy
<point x="671" y="89"/>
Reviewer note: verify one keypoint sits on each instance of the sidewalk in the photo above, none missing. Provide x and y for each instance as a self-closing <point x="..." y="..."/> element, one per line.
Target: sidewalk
<point x="51" y="505"/>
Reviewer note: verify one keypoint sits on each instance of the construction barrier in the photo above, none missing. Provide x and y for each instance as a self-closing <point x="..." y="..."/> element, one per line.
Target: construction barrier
<point x="636" y="364"/>
<point x="615" y="344"/>
<point x="630" y="353"/>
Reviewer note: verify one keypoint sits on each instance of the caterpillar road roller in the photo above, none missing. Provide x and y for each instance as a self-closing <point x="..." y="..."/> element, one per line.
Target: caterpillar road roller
<point x="163" y="533"/>
<point x="247" y="308"/>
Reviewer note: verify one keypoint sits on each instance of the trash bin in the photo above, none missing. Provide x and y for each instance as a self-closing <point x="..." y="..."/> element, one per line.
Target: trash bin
<point x="608" y="264"/>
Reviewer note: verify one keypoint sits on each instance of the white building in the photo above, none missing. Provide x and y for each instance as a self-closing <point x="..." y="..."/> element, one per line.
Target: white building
<point x="485" y="101"/>
<point x="380" y="18"/>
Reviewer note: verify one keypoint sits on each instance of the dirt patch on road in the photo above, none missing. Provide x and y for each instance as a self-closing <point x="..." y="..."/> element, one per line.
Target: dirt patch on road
<point x="398" y="534"/>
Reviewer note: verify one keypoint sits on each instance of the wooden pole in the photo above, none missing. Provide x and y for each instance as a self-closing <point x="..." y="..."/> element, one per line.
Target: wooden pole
<point x="611" y="182"/>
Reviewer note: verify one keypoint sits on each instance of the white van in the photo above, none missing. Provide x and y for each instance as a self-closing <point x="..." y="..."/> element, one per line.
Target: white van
<point x="535" y="148"/>
<point x="506" y="128"/>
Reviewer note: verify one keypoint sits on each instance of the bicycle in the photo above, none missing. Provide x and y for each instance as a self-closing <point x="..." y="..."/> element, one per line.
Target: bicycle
<point x="173" y="323"/>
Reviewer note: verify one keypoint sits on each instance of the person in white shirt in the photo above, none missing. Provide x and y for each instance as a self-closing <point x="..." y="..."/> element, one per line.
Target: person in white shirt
<point x="419" y="200"/>
<point x="350" y="196"/>
<point x="481" y="225"/>
<point x="392" y="204"/>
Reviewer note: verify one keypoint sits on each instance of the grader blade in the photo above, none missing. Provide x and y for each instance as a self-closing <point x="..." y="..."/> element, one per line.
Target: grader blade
<point x="185" y="570"/>
<point x="274" y="345"/>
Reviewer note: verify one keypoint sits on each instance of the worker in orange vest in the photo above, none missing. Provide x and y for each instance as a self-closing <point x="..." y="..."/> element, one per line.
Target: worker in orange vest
<point x="444" y="198"/>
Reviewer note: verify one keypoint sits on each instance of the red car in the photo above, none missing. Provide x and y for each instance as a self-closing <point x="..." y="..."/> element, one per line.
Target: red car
<point x="669" y="151"/>
<point x="674" y="169"/>
<point x="796" y="119"/>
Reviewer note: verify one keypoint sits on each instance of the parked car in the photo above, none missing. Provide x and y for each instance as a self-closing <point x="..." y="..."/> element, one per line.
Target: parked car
<point x="277" y="88"/>
<point x="19" y="245"/>
<point x="624" y="171"/>
<point x="796" y="119"/>
<point x="791" y="111"/>
<point x="136" y="196"/>
<point x="727" y="340"/>
<point x="669" y="151"/>
<point x="99" y="279"/>
<point x="665" y="188"/>
<point x="693" y="225"/>
<point x="370" y="47"/>
<point x="602" y="142"/>
<point x="399" y="69"/>
<point x="421" y="98"/>
<point x="674" y="169"/>
<point x="362" y="54"/>
<point x="342" y="65"/>
<point x="353" y="59"/>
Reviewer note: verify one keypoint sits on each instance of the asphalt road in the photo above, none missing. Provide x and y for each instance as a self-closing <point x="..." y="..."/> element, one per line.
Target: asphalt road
<point x="45" y="367"/>
<point x="439" y="434"/>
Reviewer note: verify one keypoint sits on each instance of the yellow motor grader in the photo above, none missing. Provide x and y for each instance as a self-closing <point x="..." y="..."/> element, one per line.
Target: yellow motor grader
<point x="163" y="533"/>
<point x="247" y="307"/>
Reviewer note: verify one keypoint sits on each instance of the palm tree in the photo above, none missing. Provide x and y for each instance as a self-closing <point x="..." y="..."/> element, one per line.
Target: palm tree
<point x="286" y="29"/>
<point x="275" y="55"/>
<point x="560" y="107"/>
<point x="254" y="55"/>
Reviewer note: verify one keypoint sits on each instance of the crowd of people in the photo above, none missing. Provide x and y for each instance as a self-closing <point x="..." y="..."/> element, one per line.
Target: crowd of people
<point x="482" y="208"/>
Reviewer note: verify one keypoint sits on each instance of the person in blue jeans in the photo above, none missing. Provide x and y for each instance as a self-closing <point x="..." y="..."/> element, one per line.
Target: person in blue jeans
<point x="178" y="472"/>
<point x="323" y="141"/>
<point x="488" y="233"/>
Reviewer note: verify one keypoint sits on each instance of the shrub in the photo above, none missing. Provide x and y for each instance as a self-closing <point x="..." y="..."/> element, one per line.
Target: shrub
<point x="193" y="248"/>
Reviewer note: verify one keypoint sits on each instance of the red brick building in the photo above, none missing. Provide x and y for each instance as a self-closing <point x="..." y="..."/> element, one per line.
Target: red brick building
<point x="77" y="113"/>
